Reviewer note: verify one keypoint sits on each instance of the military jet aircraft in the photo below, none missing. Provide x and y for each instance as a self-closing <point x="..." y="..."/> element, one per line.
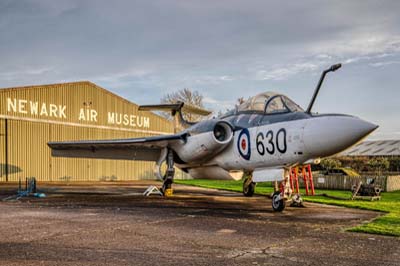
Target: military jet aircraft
<point x="268" y="131"/>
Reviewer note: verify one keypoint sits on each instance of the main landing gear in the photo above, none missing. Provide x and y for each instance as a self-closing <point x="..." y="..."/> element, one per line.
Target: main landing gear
<point x="168" y="178"/>
<point x="249" y="186"/>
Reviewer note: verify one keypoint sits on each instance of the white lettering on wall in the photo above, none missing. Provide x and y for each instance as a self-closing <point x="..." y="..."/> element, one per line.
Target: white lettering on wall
<point x="111" y="118"/>
<point x="128" y="120"/>
<point x="87" y="115"/>
<point x="61" y="111"/>
<point x="118" y="119"/>
<point x="139" y="121"/>
<point x="82" y="115"/>
<point x="23" y="106"/>
<point x="93" y="115"/>
<point x="42" y="109"/>
<point x="146" y="122"/>
<point x="133" y="118"/>
<point x="53" y="110"/>
<point x="11" y="105"/>
<point x="34" y="108"/>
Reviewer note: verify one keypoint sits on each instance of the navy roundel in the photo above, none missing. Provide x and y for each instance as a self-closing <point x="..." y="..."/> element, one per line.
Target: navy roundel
<point x="243" y="144"/>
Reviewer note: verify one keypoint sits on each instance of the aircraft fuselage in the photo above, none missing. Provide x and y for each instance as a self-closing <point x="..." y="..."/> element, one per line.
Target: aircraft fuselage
<point x="278" y="140"/>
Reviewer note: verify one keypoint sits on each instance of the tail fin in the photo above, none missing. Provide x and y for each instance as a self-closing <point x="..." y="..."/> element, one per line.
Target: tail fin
<point x="176" y="110"/>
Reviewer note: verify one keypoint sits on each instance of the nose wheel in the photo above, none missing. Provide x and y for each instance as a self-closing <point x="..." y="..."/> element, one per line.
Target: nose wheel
<point x="282" y="193"/>
<point x="278" y="203"/>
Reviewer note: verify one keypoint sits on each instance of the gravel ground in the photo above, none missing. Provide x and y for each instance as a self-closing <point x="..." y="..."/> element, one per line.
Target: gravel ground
<point x="112" y="224"/>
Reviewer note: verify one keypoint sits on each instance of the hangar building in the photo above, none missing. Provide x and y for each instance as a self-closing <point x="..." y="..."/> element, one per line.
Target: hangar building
<point x="32" y="116"/>
<point x="375" y="148"/>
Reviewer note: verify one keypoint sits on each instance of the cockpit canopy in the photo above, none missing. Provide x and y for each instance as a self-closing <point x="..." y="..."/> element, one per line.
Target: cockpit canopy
<point x="267" y="103"/>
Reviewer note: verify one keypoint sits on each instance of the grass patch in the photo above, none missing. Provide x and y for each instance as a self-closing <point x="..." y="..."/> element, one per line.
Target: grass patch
<point x="388" y="224"/>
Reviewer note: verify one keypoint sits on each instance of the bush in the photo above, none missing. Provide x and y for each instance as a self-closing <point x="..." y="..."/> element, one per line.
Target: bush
<point x="330" y="163"/>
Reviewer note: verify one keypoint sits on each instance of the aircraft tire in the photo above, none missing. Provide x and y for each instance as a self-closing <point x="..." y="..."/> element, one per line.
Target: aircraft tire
<point x="278" y="205"/>
<point x="248" y="188"/>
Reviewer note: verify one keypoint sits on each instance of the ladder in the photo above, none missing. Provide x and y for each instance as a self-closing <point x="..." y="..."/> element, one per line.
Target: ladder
<point x="305" y="173"/>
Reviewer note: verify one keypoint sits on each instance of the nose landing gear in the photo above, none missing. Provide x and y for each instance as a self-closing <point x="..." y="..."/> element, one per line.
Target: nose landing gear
<point x="283" y="193"/>
<point x="278" y="203"/>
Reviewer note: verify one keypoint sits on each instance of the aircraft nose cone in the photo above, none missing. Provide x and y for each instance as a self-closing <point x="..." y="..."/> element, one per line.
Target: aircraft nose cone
<point x="328" y="135"/>
<point x="365" y="127"/>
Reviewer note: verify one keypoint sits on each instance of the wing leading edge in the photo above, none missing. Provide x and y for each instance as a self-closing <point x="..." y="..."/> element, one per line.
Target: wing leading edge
<point x="141" y="149"/>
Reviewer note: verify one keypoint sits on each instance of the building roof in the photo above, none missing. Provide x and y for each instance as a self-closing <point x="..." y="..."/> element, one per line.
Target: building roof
<point x="375" y="148"/>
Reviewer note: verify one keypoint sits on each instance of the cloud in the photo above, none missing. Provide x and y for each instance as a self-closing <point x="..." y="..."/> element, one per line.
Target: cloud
<point x="354" y="52"/>
<point x="287" y="71"/>
<point x="384" y="63"/>
<point x="218" y="105"/>
<point x="360" y="44"/>
<point x="212" y="79"/>
<point x="85" y="39"/>
<point x="26" y="74"/>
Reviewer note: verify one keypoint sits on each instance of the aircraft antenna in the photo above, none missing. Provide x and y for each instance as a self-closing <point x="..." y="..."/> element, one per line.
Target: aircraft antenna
<point x="332" y="68"/>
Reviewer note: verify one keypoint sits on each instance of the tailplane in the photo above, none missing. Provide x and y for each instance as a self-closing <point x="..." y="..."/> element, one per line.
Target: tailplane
<point x="176" y="110"/>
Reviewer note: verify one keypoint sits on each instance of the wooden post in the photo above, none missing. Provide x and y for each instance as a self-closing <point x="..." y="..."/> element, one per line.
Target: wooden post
<point x="356" y="191"/>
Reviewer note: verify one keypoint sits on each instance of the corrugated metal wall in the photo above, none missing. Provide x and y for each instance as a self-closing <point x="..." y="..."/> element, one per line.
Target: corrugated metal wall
<point x="2" y="149"/>
<point x="31" y="126"/>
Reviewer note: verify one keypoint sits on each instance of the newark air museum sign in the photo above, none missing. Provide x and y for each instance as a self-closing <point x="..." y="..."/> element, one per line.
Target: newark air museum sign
<point x="49" y="110"/>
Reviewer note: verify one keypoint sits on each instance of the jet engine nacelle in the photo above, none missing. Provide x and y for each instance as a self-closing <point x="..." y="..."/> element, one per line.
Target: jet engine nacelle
<point x="203" y="146"/>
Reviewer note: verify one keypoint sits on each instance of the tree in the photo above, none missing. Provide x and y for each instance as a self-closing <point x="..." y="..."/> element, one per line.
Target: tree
<point x="187" y="96"/>
<point x="330" y="163"/>
<point x="240" y="100"/>
<point x="394" y="164"/>
<point x="379" y="164"/>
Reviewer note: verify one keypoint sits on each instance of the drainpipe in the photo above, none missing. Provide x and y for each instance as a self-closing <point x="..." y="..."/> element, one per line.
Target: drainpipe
<point x="6" y="147"/>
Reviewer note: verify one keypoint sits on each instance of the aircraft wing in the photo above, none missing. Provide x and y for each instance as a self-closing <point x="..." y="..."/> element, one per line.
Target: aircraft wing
<point x="142" y="149"/>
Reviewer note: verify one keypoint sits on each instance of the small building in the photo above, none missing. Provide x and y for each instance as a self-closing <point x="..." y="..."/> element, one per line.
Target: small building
<point x="32" y="116"/>
<point x="358" y="156"/>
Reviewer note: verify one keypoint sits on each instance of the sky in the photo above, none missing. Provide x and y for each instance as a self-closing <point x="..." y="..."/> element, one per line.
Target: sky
<point x="142" y="50"/>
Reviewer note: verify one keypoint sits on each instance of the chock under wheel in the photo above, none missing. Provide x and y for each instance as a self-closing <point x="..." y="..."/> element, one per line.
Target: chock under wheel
<point x="168" y="192"/>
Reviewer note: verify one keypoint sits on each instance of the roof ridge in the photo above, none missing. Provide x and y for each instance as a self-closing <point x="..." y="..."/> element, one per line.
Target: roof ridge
<point x="48" y="85"/>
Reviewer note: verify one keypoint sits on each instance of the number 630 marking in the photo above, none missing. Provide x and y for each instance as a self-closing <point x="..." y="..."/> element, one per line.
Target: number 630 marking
<point x="271" y="145"/>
